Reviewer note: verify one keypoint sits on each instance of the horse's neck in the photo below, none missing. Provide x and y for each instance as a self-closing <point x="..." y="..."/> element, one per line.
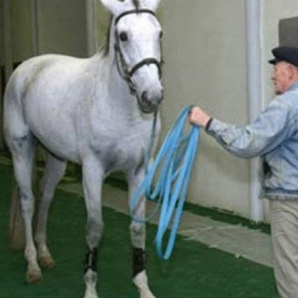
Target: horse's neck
<point x="112" y="87"/>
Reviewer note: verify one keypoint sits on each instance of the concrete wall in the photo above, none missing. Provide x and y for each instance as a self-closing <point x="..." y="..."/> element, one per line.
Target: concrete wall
<point x="62" y="27"/>
<point x="1" y="32"/>
<point x="1" y="72"/>
<point x="21" y="30"/>
<point x="205" y="54"/>
<point x="102" y="25"/>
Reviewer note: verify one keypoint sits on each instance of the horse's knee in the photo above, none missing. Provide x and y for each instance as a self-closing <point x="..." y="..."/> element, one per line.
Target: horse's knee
<point x="27" y="204"/>
<point x="138" y="234"/>
<point x="94" y="232"/>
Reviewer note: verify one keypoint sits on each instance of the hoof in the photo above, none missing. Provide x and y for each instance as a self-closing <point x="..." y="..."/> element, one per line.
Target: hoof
<point x="141" y="282"/>
<point x="91" y="294"/>
<point x="33" y="276"/>
<point x="146" y="294"/>
<point x="46" y="262"/>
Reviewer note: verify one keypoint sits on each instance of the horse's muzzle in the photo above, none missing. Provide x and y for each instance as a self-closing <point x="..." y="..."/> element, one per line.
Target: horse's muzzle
<point x="149" y="104"/>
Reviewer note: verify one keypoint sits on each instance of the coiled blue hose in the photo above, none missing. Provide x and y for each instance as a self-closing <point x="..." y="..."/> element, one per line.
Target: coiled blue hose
<point x="173" y="163"/>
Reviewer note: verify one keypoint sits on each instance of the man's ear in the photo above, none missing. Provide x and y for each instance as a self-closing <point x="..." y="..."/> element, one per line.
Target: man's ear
<point x="293" y="71"/>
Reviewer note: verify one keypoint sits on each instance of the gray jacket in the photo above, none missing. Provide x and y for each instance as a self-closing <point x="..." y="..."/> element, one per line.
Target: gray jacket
<point x="273" y="135"/>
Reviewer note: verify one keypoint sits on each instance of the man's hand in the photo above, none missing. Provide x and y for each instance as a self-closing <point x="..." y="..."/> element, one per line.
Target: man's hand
<point x="198" y="117"/>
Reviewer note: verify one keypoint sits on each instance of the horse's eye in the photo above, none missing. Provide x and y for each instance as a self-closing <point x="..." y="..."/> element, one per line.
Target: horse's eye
<point x="160" y="34"/>
<point x="123" y="36"/>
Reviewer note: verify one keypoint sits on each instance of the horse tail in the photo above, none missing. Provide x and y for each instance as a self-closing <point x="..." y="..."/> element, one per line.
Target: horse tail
<point x="16" y="225"/>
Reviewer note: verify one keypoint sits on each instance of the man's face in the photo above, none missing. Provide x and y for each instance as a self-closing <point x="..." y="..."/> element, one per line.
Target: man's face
<point x="281" y="77"/>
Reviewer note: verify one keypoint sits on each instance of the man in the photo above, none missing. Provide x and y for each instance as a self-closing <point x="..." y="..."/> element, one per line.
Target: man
<point x="273" y="135"/>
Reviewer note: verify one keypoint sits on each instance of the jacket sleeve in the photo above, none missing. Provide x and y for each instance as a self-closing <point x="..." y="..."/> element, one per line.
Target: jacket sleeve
<point x="264" y="134"/>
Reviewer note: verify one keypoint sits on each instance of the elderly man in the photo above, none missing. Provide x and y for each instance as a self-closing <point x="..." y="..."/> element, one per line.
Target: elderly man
<point x="273" y="135"/>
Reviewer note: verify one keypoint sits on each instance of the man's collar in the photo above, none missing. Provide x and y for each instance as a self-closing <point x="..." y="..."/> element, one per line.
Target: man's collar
<point x="293" y="86"/>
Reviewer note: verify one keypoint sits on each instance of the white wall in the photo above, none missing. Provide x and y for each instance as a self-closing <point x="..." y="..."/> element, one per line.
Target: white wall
<point x="1" y="32"/>
<point x="205" y="58"/>
<point x="62" y="27"/>
<point x="21" y="31"/>
<point x="1" y="65"/>
<point x="102" y="24"/>
<point x="205" y="53"/>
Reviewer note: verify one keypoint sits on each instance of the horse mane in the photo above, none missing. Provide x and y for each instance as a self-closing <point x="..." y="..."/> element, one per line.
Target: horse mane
<point x="136" y="4"/>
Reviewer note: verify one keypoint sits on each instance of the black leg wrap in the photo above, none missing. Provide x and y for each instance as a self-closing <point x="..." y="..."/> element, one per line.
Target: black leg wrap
<point x="138" y="262"/>
<point x="91" y="260"/>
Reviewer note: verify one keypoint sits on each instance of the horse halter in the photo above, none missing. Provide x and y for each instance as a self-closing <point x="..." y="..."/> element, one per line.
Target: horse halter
<point x="124" y="71"/>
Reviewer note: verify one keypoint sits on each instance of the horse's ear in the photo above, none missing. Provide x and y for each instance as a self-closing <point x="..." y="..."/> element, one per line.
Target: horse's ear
<point x="115" y="6"/>
<point x="150" y="4"/>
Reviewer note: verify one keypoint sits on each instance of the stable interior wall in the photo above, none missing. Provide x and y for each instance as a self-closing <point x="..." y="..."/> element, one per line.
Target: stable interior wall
<point x="205" y="64"/>
<point x="21" y="30"/>
<point x="103" y="18"/>
<point x="1" y="32"/>
<point x="1" y="69"/>
<point x="62" y="27"/>
<point x="205" y="54"/>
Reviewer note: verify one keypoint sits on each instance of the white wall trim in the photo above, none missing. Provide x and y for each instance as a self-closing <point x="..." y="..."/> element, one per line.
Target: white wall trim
<point x="91" y="17"/>
<point x="254" y="95"/>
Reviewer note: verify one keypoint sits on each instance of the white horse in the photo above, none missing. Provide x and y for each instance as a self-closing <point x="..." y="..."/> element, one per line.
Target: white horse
<point x="97" y="112"/>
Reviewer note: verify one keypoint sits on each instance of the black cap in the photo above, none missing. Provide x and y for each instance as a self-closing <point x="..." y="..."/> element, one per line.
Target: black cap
<point x="287" y="54"/>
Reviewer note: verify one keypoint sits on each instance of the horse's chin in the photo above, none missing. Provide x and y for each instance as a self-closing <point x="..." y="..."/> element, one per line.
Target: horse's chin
<point x="147" y="107"/>
<point x="148" y="111"/>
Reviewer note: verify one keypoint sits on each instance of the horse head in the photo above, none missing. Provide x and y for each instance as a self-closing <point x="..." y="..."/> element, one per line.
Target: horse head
<point x="136" y="38"/>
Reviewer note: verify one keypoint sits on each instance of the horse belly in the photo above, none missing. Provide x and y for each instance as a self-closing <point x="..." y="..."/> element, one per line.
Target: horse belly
<point x="52" y="126"/>
<point x="58" y="139"/>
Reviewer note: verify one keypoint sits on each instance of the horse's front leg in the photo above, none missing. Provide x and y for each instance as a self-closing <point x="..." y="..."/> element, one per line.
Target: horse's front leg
<point x="92" y="184"/>
<point x="138" y="239"/>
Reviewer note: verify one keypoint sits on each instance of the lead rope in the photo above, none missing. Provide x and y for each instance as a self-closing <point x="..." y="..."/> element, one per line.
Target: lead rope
<point x="167" y="180"/>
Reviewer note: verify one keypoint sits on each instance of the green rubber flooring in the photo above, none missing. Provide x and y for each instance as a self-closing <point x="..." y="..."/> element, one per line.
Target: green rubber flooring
<point x="194" y="270"/>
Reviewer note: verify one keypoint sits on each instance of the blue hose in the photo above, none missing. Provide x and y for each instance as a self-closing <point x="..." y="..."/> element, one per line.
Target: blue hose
<point x="174" y="163"/>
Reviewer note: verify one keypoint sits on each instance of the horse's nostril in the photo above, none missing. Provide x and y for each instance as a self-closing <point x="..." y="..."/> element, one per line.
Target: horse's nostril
<point x="144" y="95"/>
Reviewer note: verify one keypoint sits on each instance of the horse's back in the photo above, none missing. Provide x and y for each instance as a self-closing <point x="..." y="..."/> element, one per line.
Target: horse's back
<point x="44" y="71"/>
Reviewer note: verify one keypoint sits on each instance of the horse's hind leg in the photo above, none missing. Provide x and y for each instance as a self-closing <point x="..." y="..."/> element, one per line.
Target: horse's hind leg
<point x="54" y="171"/>
<point x="138" y="238"/>
<point x="23" y="150"/>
